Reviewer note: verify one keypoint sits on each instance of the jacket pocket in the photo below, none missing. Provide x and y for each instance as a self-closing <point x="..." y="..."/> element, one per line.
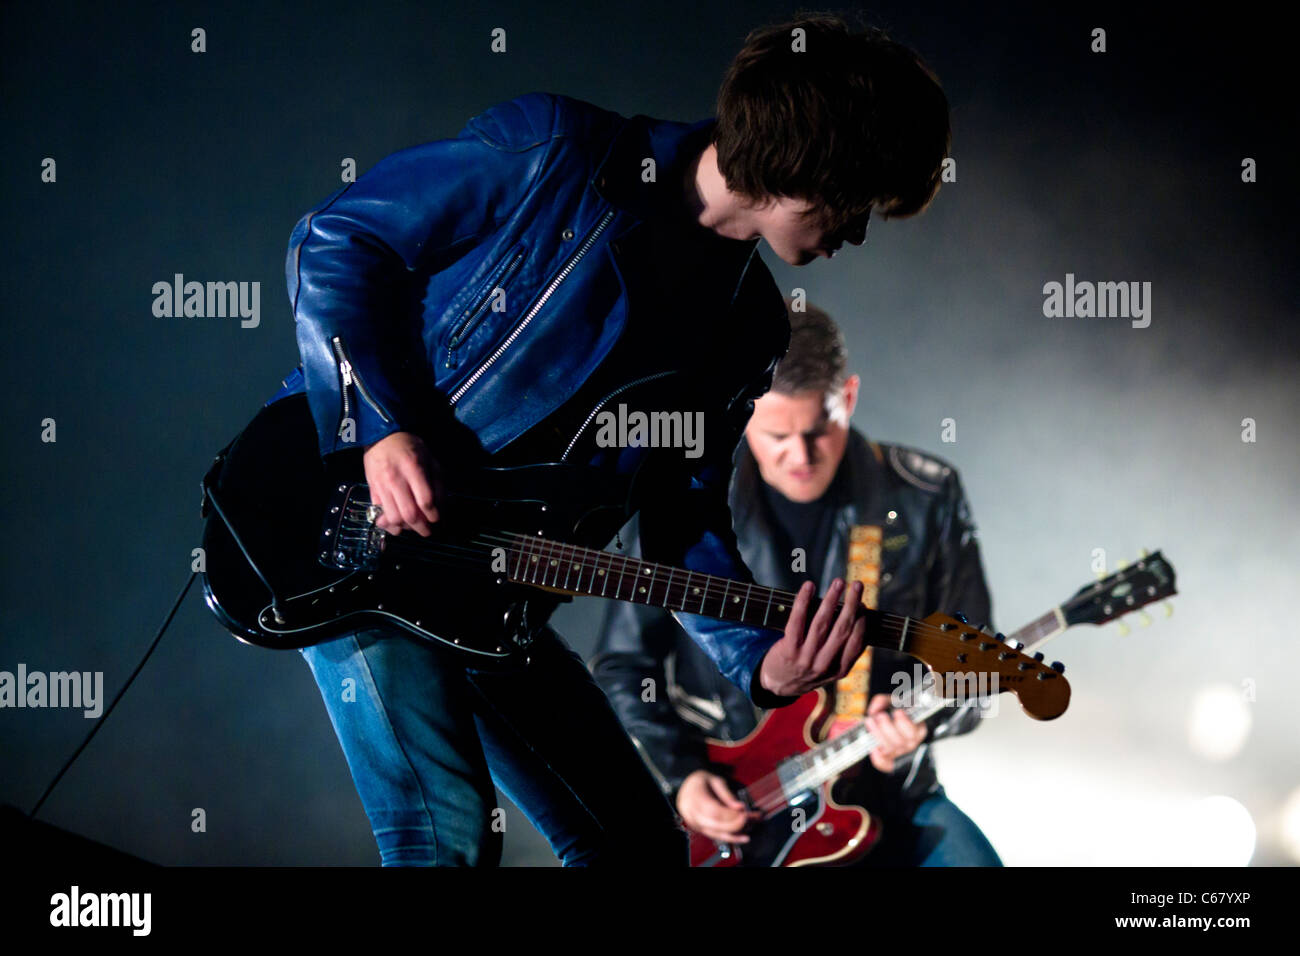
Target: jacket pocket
<point x="481" y="305"/>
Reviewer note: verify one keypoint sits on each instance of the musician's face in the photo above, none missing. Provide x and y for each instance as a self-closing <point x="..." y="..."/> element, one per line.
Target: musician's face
<point x="794" y="230"/>
<point x="797" y="442"/>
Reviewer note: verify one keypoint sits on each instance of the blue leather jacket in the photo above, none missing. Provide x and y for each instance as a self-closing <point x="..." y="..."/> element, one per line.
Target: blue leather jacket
<point x="537" y="201"/>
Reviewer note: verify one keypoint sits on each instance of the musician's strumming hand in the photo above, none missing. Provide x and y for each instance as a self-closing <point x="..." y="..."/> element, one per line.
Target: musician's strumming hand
<point x="896" y="733"/>
<point x="820" y="651"/>
<point x="404" y="482"/>
<point x="709" y="807"/>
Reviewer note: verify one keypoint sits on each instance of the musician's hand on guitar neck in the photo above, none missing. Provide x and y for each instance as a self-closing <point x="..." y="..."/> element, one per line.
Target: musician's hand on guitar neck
<point x="821" y="651"/>
<point x="404" y="482"/>
<point x="708" y="806"/>
<point x="896" y="733"/>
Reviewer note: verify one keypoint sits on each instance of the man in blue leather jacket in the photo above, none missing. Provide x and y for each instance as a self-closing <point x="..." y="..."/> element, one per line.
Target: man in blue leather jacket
<point x="486" y="295"/>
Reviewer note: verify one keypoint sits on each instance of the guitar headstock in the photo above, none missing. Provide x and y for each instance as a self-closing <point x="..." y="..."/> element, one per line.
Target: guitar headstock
<point x="967" y="662"/>
<point x="1147" y="580"/>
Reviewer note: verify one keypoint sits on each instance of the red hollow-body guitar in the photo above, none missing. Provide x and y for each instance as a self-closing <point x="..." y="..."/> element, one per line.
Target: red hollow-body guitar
<point x="786" y="771"/>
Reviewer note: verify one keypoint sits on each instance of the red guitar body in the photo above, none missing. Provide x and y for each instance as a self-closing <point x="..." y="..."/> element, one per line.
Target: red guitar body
<point x="805" y="829"/>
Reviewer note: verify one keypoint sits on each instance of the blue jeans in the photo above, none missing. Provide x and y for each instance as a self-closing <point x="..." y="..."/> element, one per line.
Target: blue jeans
<point x="425" y="738"/>
<point x="938" y="834"/>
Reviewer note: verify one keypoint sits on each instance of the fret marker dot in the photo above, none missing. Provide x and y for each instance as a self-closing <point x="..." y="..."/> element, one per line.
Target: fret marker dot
<point x="534" y="559"/>
<point x="697" y="590"/>
<point x="735" y="600"/>
<point x="643" y="589"/>
<point x="601" y="571"/>
<point x="554" y="562"/>
<point x="645" y="571"/>
<point x="780" y="607"/>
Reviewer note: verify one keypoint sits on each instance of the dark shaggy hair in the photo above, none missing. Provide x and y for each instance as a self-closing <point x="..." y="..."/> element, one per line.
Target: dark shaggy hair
<point x="855" y="121"/>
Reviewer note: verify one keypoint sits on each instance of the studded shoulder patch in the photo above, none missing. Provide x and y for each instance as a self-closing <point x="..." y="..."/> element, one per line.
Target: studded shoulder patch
<point x="923" y="471"/>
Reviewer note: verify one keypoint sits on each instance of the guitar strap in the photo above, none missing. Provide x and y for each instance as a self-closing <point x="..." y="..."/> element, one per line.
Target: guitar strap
<point x="852" y="690"/>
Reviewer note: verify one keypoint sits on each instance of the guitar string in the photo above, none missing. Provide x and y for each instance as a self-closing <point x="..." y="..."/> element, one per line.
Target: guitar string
<point x="713" y="587"/>
<point x="849" y="748"/>
<point x="568" y="551"/>
<point x="811" y="773"/>
<point x="710" y="589"/>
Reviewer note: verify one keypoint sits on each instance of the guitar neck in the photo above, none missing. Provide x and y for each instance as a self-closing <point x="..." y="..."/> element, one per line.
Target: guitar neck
<point x="581" y="571"/>
<point x="1040" y="630"/>
<point x="832" y="757"/>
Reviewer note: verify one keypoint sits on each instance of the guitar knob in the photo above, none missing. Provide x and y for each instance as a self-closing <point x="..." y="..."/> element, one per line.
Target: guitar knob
<point x="1058" y="667"/>
<point x="961" y="617"/>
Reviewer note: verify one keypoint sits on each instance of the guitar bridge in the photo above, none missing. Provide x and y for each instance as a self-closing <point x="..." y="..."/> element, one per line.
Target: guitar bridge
<point x="350" y="540"/>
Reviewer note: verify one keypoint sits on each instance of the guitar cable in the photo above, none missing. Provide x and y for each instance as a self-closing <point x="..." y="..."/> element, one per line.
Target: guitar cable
<point x="100" y="723"/>
<point x="208" y="496"/>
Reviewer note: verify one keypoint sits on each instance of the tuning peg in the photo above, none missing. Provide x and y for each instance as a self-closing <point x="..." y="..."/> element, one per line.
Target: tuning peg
<point x="1144" y="619"/>
<point x="1038" y="655"/>
<point x="1143" y="553"/>
<point x="1121" y="566"/>
<point x="961" y="617"/>
<point x="1058" y="667"/>
<point x="1099" y="574"/>
<point x="1001" y="637"/>
<point x="1123" y="629"/>
<point x="1169" y="609"/>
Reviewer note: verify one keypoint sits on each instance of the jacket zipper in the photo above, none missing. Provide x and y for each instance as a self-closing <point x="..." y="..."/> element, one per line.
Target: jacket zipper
<point x="601" y="404"/>
<point x="350" y="377"/>
<point x="536" y="307"/>
<point x="479" y="310"/>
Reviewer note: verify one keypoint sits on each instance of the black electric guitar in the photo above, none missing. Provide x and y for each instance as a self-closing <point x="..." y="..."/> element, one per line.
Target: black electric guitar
<point x="293" y="558"/>
<point x="786" y="771"/>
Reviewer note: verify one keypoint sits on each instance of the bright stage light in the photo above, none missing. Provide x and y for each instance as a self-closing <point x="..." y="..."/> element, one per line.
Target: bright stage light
<point x="1291" y="824"/>
<point x="1219" y="722"/>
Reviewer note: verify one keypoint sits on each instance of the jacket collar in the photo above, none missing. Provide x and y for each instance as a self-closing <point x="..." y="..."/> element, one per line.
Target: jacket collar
<point x="618" y="178"/>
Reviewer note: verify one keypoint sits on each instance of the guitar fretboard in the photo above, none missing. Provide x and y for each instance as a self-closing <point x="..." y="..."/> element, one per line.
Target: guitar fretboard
<point x="1040" y="629"/>
<point x="578" y="570"/>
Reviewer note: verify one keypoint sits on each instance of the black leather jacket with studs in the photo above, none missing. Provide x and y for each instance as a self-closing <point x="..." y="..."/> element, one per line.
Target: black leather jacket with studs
<point x="929" y="562"/>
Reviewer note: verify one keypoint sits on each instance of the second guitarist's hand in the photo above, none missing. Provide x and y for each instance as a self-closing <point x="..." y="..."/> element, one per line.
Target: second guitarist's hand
<point x="404" y="482"/>
<point x="895" y="732"/>
<point x="707" y="805"/>
<point x="821" y="650"/>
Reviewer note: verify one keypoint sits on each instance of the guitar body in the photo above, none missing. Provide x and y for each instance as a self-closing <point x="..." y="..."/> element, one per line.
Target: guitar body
<point x="806" y="828"/>
<point x="281" y="519"/>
